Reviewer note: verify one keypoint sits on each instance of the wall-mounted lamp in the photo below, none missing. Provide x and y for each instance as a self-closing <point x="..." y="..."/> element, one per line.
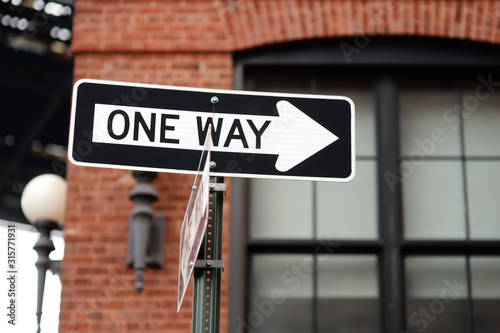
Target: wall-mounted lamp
<point x="146" y="229"/>
<point x="43" y="203"/>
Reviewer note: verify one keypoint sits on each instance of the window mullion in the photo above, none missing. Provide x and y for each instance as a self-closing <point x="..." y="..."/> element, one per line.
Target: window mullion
<point x="390" y="222"/>
<point x="470" y="308"/>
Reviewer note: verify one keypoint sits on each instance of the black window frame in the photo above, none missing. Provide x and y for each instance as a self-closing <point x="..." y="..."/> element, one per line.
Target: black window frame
<point x="385" y="60"/>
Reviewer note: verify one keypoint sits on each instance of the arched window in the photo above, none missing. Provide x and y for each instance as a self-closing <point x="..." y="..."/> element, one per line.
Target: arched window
<point x="413" y="242"/>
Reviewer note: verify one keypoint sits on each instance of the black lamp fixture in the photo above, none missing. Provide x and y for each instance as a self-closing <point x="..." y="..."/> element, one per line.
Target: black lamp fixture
<point x="43" y="203"/>
<point x="146" y="229"/>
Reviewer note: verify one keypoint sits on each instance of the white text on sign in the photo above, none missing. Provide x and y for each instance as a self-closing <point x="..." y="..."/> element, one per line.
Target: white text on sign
<point x="287" y="135"/>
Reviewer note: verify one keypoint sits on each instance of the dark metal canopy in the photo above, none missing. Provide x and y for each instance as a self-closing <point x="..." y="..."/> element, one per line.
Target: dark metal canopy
<point x="36" y="70"/>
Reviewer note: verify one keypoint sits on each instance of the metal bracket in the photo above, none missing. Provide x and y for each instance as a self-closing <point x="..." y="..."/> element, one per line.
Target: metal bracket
<point x="55" y="267"/>
<point x="217" y="187"/>
<point x="200" y="263"/>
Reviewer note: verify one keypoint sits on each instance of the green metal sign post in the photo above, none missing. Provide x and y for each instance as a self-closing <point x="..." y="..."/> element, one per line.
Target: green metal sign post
<point x="209" y="266"/>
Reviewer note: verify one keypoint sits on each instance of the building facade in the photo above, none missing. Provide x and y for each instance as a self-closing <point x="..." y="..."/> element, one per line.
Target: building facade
<point x="411" y="244"/>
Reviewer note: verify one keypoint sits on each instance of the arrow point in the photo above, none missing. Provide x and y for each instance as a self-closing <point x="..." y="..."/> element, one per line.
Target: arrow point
<point x="304" y="137"/>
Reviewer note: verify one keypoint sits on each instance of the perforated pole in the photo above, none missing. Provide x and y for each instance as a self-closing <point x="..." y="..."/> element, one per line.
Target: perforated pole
<point x="208" y="269"/>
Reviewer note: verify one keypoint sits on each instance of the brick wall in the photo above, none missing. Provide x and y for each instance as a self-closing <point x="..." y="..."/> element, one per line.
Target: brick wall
<point x="190" y="43"/>
<point x="98" y="289"/>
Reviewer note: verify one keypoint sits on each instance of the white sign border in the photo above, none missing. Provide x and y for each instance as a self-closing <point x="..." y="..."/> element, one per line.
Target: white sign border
<point x="221" y="174"/>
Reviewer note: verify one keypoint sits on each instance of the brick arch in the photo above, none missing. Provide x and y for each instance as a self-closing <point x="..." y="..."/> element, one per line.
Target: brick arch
<point x="231" y="25"/>
<point x="256" y="23"/>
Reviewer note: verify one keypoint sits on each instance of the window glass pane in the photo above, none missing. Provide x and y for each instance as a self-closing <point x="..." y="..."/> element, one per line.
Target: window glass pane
<point x="483" y="180"/>
<point x="281" y="294"/>
<point x="486" y="293"/>
<point x="349" y="210"/>
<point x="433" y="200"/>
<point x="280" y="209"/>
<point x="482" y="121"/>
<point x="347" y="293"/>
<point x="436" y="294"/>
<point x="429" y="121"/>
<point x="362" y="96"/>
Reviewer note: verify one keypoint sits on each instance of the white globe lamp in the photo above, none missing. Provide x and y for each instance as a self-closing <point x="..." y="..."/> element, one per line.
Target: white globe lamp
<point x="43" y="203"/>
<point x="44" y="198"/>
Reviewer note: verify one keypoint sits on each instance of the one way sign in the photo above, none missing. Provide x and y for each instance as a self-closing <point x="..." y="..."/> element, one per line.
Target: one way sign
<point x="254" y="134"/>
